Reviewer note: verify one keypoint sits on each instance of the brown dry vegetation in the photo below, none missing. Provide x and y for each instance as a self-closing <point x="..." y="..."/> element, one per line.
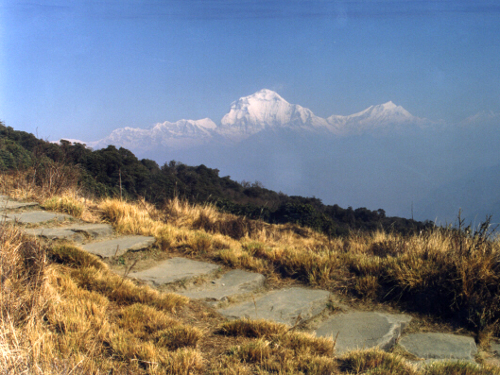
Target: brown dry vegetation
<point x="451" y="274"/>
<point x="64" y="311"/>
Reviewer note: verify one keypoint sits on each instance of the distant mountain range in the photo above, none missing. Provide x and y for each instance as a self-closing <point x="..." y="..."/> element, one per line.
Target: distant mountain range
<point x="381" y="157"/>
<point x="263" y="111"/>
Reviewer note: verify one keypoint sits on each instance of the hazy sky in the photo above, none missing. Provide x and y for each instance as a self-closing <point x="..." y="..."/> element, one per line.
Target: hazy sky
<point x="79" y="69"/>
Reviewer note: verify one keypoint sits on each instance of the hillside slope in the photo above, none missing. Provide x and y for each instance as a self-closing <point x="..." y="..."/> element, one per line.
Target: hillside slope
<point x="117" y="172"/>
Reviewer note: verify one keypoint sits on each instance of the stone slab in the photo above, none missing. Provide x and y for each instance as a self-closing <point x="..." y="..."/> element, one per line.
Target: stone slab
<point x="233" y="283"/>
<point x="119" y="246"/>
<point x="75" y="232"/>
<point x="283" y="306"/>
<point x="495" y="348"/>
<point x="439" y="346"/>
<point x="363" y="330"/>
<point x="175" y="269"/>
<point x="34" y="217"/>
<point x="9" y="204"/>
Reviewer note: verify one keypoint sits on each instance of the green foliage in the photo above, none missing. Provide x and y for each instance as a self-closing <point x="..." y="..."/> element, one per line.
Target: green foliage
<point x="13" y="156"/>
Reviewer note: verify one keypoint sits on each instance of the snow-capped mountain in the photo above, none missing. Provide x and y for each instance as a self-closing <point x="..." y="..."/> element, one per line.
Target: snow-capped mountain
<point x="180" y="134"/>
<point x="264" y="110"/>
<point x="374" y="118"/>
<point x="483" y="117"/>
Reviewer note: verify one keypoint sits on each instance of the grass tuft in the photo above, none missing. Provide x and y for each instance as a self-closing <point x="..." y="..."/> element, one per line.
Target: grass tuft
<point x="375" y="361"/>
<point x="185" y="361"/>
<point x="75" y="257"/>
<point x="179" y="336"/>
<point x="252" y="328"/>
<point x="65" y="204"/>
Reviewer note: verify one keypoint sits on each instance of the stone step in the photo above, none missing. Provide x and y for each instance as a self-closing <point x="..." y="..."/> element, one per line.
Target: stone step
<point x="283" y="306"/>
<point x="363" y="330"/>
<point x="75" y="232"/>
<point x="495" y="348"/>
<point x="35" y="217"/>
<point x="439" y="346"/>
<point x="119" y="246"/>
<point x="233" y="283"/>
<point x="175" y="269"/>
<point x="8" y="204"/>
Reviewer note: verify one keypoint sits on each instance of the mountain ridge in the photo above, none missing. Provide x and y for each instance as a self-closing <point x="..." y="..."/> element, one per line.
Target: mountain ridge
<point x="263" y="110"/>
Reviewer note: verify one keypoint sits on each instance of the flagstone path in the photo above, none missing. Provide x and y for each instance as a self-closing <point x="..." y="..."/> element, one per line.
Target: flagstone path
<point x="359" y="329"/>
<point x="241" y="294"/>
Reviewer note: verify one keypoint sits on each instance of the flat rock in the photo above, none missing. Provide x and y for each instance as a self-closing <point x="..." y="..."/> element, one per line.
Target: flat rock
<point x="175" y="269"/>
<point x="119" y="246"/>
<point x="283" y="306"/>
<point x="34" y="217"/>
<point x="8" y="204"/>
<point x="230" y="284"/>
<point x="363" y="330"/>
<point x="495" y="348"/>
<point x="439" y="346"/>
<point x="76" y="232"/>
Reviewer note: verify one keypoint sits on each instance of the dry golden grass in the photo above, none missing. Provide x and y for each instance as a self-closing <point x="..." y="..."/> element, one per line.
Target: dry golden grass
<point x="40" y="182"/>
<point x="252" y="328"/>
<point x="276" y="348"/>
<point x="70" y="203"/>
<point x="54" y="321"/>
<point x="288" y="354"/>
<point x="22" y="299"/>
<point x="444" y="272"/>
<point x="64" y="311"/>
<point x="375" y="361"/>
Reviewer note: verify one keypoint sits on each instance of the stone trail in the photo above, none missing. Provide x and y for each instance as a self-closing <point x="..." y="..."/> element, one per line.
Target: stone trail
<point x="351" y="329"/>
<point x="363" y="330"/>
<point x="289" y="306"/>
<point x="439" y="346"/>
<point x="495" y="348"/>
<point x="233" y="283"/>
<point x="8" y="204"/>
<point x="119" y="246"/>
<point x="35" y="217"/>
<point x="74" y="232"/>
<point x="174" y="270"/>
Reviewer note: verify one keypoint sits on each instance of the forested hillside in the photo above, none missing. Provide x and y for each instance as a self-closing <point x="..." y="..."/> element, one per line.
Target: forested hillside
<point x="118" y="172"/>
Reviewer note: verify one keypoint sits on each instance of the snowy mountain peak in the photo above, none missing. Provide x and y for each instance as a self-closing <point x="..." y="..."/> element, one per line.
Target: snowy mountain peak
<point x="375" y="118"/>
<point x="266" y="95"/>
<point x="481" y="118"/>
<point x="265" y="109"/>
<point x="386" y="111"/>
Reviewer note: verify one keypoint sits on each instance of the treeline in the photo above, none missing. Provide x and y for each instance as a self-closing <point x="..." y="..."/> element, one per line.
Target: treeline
<point x="118" y="172"/>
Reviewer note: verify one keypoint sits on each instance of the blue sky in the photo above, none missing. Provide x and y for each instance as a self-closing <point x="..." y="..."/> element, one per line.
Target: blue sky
<point x="79" y="69"/>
